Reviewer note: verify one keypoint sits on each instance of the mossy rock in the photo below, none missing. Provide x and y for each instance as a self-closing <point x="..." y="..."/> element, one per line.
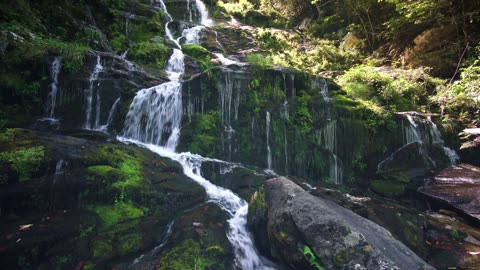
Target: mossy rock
<point x="388" y="188"/>
<point x="190" y="255"/>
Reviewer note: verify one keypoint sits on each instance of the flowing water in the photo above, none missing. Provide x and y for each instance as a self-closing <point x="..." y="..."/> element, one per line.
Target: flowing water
<point x="111" y="115"/>
<point x="327" y="137"/>
<point x="417" y="129"/>
<point x="89" y="96"/>
<point x="52" y="96"/>
<point x="154" y="121"/>
<point x="269" y="151"/>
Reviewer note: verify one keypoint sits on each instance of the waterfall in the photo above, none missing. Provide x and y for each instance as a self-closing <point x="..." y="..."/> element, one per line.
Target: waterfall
<point x="227" y="62"/>
<point x="202" y="9"/>
<point x="225" y="94"/>
<point x="191" y="35"/>
<point x="322" y="85"/>
<point x="327" y="138"/>
<point x="155" y="115"/>
<point x="52" y="96"/>
<point x="423" y="131"/>
<point x="153" y="254"/>
<point x="189" y="11"/>
<point x="154" y="121"/>
<point x="111" y="114"/>
<point x="292" y="78"/>
<point x="437" y="138"/>
<point x="285" y="135"/>
<point x="169" y="20"/>
<point x="89" y="95"/>
<point x="269" y="152"/>
<point x="59" y="170"/>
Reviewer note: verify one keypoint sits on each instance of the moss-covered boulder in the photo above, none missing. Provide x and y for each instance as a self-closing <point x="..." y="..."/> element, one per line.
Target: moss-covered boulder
<point x="69" y="201"/>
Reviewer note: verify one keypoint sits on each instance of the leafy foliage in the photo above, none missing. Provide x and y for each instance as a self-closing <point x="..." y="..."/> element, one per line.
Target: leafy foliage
<point x="394" y="90"/>
<point x="462" y="97"/>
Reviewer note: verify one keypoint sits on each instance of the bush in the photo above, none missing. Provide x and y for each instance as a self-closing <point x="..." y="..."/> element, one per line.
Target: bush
<point x="259" y="60"/>
<point x="394" y="89"/>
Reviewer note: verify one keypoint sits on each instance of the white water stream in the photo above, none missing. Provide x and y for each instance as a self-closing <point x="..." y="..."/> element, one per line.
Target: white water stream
<point x="52" y="96"/>
<point x="89" y="96"/>
<point x="154" y="122"/>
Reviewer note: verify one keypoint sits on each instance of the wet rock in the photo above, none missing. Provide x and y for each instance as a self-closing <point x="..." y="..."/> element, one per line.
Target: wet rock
<point x="92" y="200"/>
<point x="442" y="239"/>
<point x="306" y="231"/>
<point x="119" y="78"/>
<point x="458" y="188"/>
<point x="470" y="148"/>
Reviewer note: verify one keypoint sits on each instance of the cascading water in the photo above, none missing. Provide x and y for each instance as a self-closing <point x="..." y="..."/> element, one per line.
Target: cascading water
<point x="322" y="84"/>
<point x="154" y="121"/>
<point x="269" y="151"/>
<point x="437" y="138"/>
<point x="52" y="96"/>
<point x="89" y="96"/>
<point x="202" y="9"/>
<point x="191" y="35"/>
<point x="424" y="132"/>
<point x="328" y="139"/>
<point x="111" y="115"/>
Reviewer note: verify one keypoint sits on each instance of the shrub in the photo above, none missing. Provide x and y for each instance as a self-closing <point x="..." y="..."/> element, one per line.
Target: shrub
<point x="260" y="60"/>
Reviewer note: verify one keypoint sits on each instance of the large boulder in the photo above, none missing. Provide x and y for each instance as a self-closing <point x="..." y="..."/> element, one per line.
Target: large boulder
<point x="307" y="232"/>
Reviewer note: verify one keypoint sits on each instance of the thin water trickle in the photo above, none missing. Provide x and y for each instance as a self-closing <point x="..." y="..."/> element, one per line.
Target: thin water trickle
<point x="52" y="96"/>
<point x="329" y="134"/>
<point x="111" y="115"/>
<point x="269" y="151"/>
<point x="89" y="95"/>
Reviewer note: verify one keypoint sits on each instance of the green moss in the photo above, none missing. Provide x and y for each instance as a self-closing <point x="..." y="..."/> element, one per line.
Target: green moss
<point x="129" y="243"/>
<point x="458" y="235"/>
<point x="183" y="257"/>
<point x="131" y="172"/>
<point x="101" y="248"/>
<point x="301" y="117"/>
<point x="24" y="161"/>
<point x="260" y="60"/>
<point x="215" y="250"/>
<point x="388" y="188"/>
<point x="204" y="140"/>
<point x="152" y="53"/>
<point x="189" y="255"/>
<point x="257" y="201"/>
<point x="341" y="258"/>
<point x="101" y="170"/>
<point x="111" y="215"/>
<point x="200" y="54"/>
<point x="121" y="167"/>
